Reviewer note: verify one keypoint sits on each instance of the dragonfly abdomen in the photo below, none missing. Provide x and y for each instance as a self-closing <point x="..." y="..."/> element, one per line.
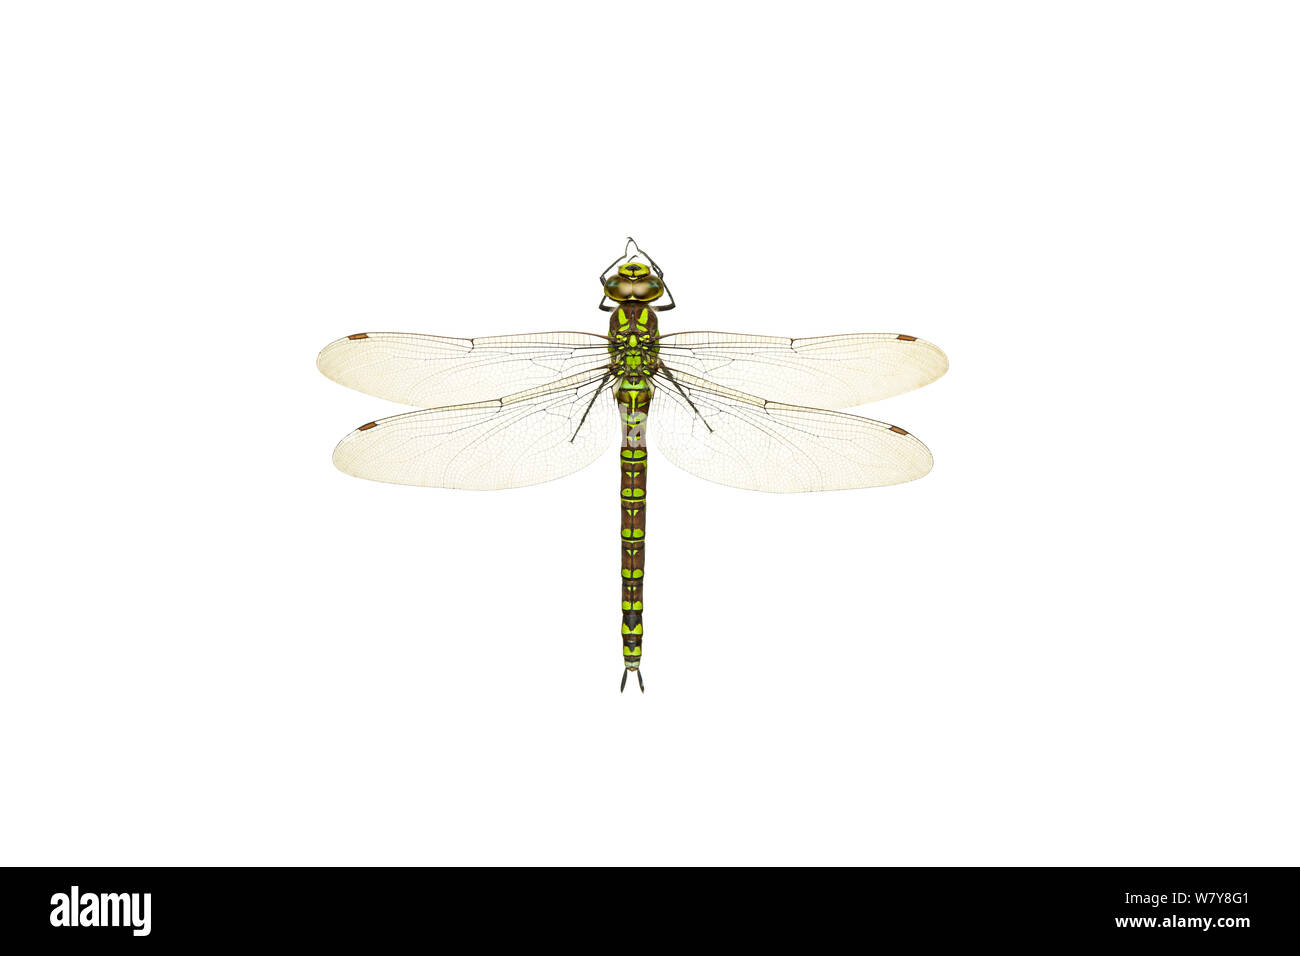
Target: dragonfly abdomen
<point x="633" y="397"/>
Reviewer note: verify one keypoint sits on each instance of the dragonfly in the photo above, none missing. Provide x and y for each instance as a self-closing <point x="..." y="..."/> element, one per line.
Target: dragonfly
<point x="564" y="396"/>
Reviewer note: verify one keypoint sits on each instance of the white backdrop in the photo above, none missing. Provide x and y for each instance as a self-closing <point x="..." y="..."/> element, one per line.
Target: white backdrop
<point x="1073" y="642"/>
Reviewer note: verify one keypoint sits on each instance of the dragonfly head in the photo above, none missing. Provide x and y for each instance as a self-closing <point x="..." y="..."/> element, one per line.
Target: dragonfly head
<point x="634" y="282"/>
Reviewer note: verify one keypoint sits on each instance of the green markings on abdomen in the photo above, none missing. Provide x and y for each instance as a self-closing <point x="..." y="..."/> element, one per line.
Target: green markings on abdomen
<point x="633" y="396"/>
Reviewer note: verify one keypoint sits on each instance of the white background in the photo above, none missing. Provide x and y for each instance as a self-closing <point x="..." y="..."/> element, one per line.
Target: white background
<point x="1072" y="643"/>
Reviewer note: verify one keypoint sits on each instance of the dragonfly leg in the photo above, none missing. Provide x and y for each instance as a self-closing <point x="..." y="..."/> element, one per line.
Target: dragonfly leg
<point x="595" y="396"/>
<point x="669" y="374"/>
<point x="672" y="303"/>
<point x="609" y="308"/>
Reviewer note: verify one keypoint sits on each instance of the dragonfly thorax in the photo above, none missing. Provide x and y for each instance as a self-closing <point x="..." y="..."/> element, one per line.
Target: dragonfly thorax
<point x="633" y="341"/>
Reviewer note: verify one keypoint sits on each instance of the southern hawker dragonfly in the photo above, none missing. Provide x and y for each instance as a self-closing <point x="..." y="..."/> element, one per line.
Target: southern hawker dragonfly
<point x="567" y="394"/>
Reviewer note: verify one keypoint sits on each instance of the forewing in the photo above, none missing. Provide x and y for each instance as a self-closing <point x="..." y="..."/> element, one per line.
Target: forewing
<point x="830" y="371"/>
<point x="429" y="370"/>
<point x="739" y="440"/>
<point x="518" y="440"/>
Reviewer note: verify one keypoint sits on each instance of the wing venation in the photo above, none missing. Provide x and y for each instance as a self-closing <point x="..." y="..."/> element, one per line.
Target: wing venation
<point x="829" y="371"/>
<point x="740" y="440"/>
<point x="522" y="439"/>
<point x="429" y="370"/>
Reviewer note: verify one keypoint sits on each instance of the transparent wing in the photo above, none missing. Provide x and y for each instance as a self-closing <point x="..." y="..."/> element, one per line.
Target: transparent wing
<point x="429" y="370"/>
<point x="522" y="439"/>
<point x="831" y="371"/>
<point x="737" y="439"/>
